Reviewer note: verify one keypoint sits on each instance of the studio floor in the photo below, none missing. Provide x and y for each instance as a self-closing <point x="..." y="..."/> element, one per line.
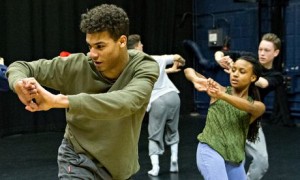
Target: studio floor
<point x="33" y="156"/>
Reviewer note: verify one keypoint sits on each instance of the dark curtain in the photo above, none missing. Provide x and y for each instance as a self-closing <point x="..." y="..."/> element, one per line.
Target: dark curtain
<point x="33" y="29"/>
<point x="281" y="111"/>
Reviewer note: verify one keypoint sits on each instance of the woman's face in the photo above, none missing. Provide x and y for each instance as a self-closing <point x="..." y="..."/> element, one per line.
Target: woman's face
<point x="241" y="75"/>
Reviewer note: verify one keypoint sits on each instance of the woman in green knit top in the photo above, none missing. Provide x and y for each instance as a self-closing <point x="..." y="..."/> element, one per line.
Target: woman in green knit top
<point x="231" y="119"/>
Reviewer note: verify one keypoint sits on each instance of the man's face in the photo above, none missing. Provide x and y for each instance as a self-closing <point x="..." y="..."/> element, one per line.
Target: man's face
<point x="267" y="53"/>
<point x="106" y="53"/>
<point x="139" y="46"/>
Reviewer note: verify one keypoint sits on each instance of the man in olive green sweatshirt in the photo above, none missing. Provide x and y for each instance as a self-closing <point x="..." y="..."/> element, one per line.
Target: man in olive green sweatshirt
<point x="105" y="94"/>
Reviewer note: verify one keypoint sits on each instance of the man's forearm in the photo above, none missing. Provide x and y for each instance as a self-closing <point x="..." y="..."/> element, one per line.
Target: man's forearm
<point x="61" y="101"/>
<point x="262" y="82"/>
<point x="190" y="74"/>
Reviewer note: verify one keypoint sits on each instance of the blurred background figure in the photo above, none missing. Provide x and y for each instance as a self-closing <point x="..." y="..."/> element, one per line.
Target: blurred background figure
<point x="3" y="80"/>
<point x="163" y="108"/>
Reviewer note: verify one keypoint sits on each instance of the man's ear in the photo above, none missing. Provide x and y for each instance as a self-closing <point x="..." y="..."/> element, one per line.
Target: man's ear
<point x="276" y="52"/>
<point x="123" y="41"/>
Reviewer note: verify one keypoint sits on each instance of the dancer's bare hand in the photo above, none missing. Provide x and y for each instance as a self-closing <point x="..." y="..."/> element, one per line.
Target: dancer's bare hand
<point x="25" y="89"/>
<point x="226" y="63"/>
<point x="214" y="89"/>
<point x="200" y="84"/>
<point x="43" y="99"/>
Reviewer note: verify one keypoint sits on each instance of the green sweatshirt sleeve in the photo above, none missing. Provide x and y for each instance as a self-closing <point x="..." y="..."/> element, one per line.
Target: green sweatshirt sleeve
<point x="50" y="73"/>
<point x="130" y="93"/>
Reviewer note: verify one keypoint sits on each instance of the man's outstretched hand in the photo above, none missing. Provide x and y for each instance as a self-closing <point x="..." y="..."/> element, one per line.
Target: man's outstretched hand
<point x="34" y="96"/>
<point x="25" y="90"/>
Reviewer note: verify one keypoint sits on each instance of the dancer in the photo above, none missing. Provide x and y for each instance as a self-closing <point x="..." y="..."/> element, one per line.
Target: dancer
<point x="163" y="108"/>
<point x="105" y="95"/>
<point x="232" y="118"/>
<point x="268" y="50"/>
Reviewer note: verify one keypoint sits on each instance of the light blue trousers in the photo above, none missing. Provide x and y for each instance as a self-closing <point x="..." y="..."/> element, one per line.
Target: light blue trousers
<point x="212" y="166"/>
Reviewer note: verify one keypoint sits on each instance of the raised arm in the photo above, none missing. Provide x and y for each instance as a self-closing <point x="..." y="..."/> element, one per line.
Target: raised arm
<point x="262" y="82"/>
<point x="175" y="68"/>
<point x="180" y="59"/>
<point x="255" y="108"/>
<point x="199" y="81"/>
<point x="25" y="89"/>
<point x="177" y="63"/>
<point x="37" y="98"/>
<point x="224" y="61"/>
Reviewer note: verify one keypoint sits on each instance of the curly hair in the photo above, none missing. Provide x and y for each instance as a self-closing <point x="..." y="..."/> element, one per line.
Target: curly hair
<point x="106" y="17"/>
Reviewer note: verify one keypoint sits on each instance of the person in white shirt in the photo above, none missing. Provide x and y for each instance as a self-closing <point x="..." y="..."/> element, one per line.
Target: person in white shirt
<point x="163" y="108"/>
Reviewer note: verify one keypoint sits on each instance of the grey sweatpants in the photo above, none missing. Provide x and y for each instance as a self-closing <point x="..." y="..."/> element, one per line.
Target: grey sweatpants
<point x="259" y="157"/>
<point x="78" y="166"/>
<point x="163" y="122"/>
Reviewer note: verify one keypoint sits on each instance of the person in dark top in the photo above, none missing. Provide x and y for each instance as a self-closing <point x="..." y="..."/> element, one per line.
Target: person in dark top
<point x="163" y="109"/>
